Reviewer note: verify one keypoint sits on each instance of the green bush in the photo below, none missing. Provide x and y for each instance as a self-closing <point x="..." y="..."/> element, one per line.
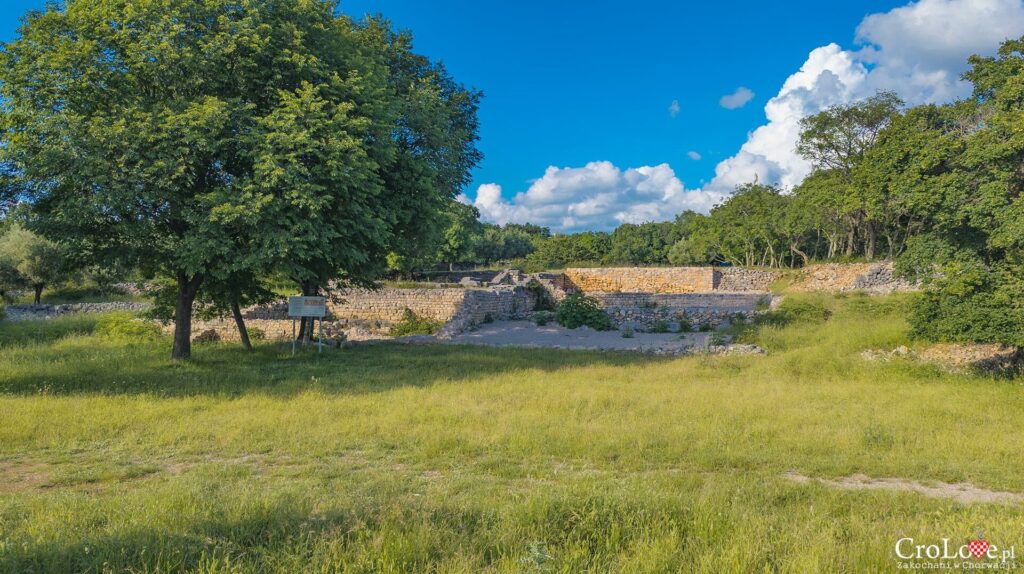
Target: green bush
<point x="124" y="326"/>
<point x="627" y="332"/>
<point x="660" y="326"/>
<point x="256" y="334"/>
<point x="577" y="310"/>
<point x="799" y="310"/>
<point x="413" y="324"/>
<point x="3" y="311"/>
<point x="684" y="325"/>
<point x="541" y="318"/>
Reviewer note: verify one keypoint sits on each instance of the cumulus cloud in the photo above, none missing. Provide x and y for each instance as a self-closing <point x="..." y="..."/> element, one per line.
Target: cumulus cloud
<point x="695" y="156"/>
<point x="918" y="50"/>
<point x="596" y="196"/>
<point x="737" y="99"/>
<point x="673" y="108"/>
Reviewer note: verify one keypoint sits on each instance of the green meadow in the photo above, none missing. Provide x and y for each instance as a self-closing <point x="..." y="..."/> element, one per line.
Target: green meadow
<point x="393" y="458"/>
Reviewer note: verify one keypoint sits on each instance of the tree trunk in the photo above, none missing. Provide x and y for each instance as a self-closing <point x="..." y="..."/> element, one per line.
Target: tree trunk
<point x="38" y="288"/>
<point x="243" y="333"/>
<point x="187" y="289"/>
<point x="795" y="249"/>
<point x="869" y="250"/>
<point x="309" y="289"/>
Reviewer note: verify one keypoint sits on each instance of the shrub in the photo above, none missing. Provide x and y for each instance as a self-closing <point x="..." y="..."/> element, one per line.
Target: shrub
<point x="577" y="310"/>
<point x="627" y="332"/>
<point x="123" y="326"/>
<point x="684" y="325"/>
<point x="799" y="310"/>
<point x="256" y="334"/>
<point x="207" y="336"/>
<point x="3" y="311"/>
<point x="541" y="318"/>
<point x="716" y="340"/>
<point x="413" y="324"/>
<point x="660" y="326"/>
<point x="488" y="318"/>
<point x="705" y="327"/>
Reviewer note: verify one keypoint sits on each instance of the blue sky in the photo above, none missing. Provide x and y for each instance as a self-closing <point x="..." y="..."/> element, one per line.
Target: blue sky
<point x="577" y="123"/>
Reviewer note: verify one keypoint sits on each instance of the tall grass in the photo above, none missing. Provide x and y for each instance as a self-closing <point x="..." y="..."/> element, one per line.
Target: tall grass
<point x="458" y="459"/>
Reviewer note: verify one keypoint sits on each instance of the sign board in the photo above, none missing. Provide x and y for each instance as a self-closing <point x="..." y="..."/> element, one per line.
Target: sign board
<point x="305" y="306"/>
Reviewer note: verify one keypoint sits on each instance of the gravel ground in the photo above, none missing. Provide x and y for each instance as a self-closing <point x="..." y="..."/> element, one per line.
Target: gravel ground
<point x="527" y="334"/>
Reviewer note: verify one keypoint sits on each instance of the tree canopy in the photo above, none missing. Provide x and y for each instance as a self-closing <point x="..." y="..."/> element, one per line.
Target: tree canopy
<point x="212" y="139"/>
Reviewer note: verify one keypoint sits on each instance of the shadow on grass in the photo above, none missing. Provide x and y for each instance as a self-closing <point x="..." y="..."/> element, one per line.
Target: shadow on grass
<point x="93" y="365"/>
<point x="207" y="545"/>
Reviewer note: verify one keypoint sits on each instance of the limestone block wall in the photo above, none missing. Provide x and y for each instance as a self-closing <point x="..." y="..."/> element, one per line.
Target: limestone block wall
<point x="642" y="310"/>
<point x="387" y="305"/>
<point x="497" y="303"/>
<point x="368" y="313"/>
<point x="640" y="279"/>
<point x="741" y="279"/>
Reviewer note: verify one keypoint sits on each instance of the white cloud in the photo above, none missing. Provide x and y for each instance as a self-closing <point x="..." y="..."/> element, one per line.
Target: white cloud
<point x="737" y="99"/>
<point x="695" y="156"/>
<point x="919" y="51"/>
<point x="596" y="196"/>
<point x="673" y="108"/>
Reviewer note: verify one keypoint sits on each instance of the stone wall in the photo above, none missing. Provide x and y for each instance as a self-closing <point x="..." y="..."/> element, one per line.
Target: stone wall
<point x="743" y="279"/>
<point x="640" y="279"/>
<point x="642" y="310"/>
<point x="387" y="305"/>
<point x="368" y="314"/>
<point x="29" y="312"/>
<point x="842" y="277"/>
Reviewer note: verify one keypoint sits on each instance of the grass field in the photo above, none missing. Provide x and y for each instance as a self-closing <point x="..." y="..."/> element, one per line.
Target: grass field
<point x="458" y="459"/>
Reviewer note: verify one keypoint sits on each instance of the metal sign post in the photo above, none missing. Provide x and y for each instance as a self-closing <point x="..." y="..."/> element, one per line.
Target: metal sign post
<point x="307" y="307"/>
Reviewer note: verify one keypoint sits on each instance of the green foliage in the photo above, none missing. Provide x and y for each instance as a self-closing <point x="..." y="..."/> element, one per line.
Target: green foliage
<point x="805" y="309"/>
<point x="627" y="332"/>
<point x="541" y="318"/>
<point x="644" y="244"/>
<point x="253" y="138"/>
<point x="28" y="260"/>
<point x="256" y="334"/>
<point x="577" y="310"/>
<point x="660" y="326"/>
<point x="685" y="326"/>
<point x="413" y="324"/>
<point x="506" y="243"/>
<point x="585" y="249"/>
<point x="126" y="327"/>
<point x="970" y="303"/>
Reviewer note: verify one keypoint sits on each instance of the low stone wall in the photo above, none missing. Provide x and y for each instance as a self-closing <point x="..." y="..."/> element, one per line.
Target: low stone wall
<point x="481" y="305"/>
<point x="639" y="279"/>
<point x="743" y="279"/>
<point x="363" y="314"/>
<point x="29" y="312"/>
<point x="387" y="305"/>
<point x="642" y="311"/>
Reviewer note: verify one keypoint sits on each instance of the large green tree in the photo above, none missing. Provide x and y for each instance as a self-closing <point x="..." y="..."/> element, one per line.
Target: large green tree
<point x="216" y="139"/>
<point x="971" y="254"/>
<point x="836" y="140"/>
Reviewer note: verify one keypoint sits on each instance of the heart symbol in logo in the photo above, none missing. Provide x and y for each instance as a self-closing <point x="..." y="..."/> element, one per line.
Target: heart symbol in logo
<point x="978" y="547"/>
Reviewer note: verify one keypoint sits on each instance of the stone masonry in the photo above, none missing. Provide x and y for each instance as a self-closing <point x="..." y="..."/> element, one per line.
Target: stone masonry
<point x="640" y="279"/>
